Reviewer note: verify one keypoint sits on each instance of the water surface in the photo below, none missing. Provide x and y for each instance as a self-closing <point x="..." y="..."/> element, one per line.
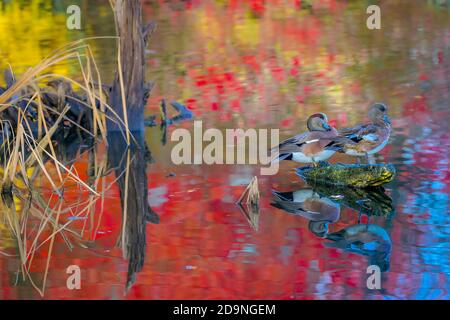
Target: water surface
<point x="259" y="64"/>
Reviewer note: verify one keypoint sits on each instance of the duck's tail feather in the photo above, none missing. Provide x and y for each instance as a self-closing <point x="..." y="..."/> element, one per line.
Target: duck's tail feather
<point x="285" y="196"/>
<point x="281" y="157"/>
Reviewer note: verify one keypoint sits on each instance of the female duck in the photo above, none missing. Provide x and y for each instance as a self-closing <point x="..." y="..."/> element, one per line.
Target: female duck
<point x="364" y="239"/>
<point x="311" y="146"/>
<point x="366" y="139"/>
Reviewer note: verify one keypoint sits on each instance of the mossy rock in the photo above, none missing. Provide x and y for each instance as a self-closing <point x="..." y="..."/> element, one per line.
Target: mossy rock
<point x="355" y="175"/>
<point x="372" y="201"/>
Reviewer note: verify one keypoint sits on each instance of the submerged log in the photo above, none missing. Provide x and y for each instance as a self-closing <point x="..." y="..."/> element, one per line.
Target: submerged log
<point x="54" y="97"/>
<point x="355" y="175"/>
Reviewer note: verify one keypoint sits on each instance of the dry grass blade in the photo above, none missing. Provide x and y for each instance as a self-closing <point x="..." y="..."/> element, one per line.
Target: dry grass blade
<point x="88" y="68"/>
<point x="28" y="151"/>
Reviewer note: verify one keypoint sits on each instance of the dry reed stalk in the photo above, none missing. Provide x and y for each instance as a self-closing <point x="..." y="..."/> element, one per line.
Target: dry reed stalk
<point x="122" y="91"/>
<point x="33" y="76"/>
<point x="25" y="152"/>
<point x="52" y="241"/>
<point x="125" y="206"/>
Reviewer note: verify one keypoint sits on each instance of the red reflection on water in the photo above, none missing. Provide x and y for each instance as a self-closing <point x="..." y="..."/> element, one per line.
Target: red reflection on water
<point x="203" y="247"/>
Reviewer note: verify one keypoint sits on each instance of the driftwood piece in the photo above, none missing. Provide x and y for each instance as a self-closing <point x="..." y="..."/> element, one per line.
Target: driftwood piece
<point x="251" y="193"/>
<point x="249" y="203"/>
<point x="355" y="175"/>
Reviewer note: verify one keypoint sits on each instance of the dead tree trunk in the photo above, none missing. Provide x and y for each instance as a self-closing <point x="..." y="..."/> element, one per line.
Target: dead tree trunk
<point x="132" y="44"/>
<point x="133" y="38"/>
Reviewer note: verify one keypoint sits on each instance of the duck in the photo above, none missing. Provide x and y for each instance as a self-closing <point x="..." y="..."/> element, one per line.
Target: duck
<point x="367" y="139"/>
<point x="364" y="239"/>
<point x="310" y="146"/>
<point x="320" y="211"/>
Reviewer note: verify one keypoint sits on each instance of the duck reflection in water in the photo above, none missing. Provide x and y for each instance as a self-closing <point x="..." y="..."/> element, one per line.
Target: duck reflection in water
<point x="364" y="239"/>
<point x="320" y="211"/>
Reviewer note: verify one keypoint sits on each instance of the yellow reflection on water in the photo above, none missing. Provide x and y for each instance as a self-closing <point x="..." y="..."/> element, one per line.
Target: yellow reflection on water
<point x="30" y="33"/>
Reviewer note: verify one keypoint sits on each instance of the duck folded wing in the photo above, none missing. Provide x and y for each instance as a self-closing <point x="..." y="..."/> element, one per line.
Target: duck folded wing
<point x="295" y="144"/>
<point x="367" y="132"/>
<point x="291" y="144"/>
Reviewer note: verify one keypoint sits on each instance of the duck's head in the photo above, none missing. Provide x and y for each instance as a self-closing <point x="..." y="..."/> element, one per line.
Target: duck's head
<point x="318" y="122"/>
<point x="319" y="228"/>
<point x="378" y="112"/>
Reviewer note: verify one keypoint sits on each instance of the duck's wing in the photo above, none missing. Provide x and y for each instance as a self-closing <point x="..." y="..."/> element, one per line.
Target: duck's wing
<point x="368" y="132"/>
<point x="293" y="144"/>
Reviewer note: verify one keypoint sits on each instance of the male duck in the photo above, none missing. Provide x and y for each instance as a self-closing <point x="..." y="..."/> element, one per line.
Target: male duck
<point x="310" y="146"/>
<point x="320" y="211"/>
<point x="366" y="139"/>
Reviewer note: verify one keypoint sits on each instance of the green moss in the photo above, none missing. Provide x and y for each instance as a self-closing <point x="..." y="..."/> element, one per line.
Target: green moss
<point x="355" y="175"/>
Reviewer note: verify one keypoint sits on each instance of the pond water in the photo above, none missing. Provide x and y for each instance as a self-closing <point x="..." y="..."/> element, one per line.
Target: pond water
<point x="256" y="64"/>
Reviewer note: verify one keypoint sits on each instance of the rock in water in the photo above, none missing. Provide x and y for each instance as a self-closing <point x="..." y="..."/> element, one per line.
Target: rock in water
<point x="355" y="175"/>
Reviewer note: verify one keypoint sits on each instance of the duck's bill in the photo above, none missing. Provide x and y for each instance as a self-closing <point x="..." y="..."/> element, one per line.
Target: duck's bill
<point x="326" y="126"/>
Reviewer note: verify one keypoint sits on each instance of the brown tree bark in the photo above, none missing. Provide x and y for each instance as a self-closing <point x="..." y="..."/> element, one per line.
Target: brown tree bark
<point x="132" y="44"/>
<point x="133" y="39"/>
